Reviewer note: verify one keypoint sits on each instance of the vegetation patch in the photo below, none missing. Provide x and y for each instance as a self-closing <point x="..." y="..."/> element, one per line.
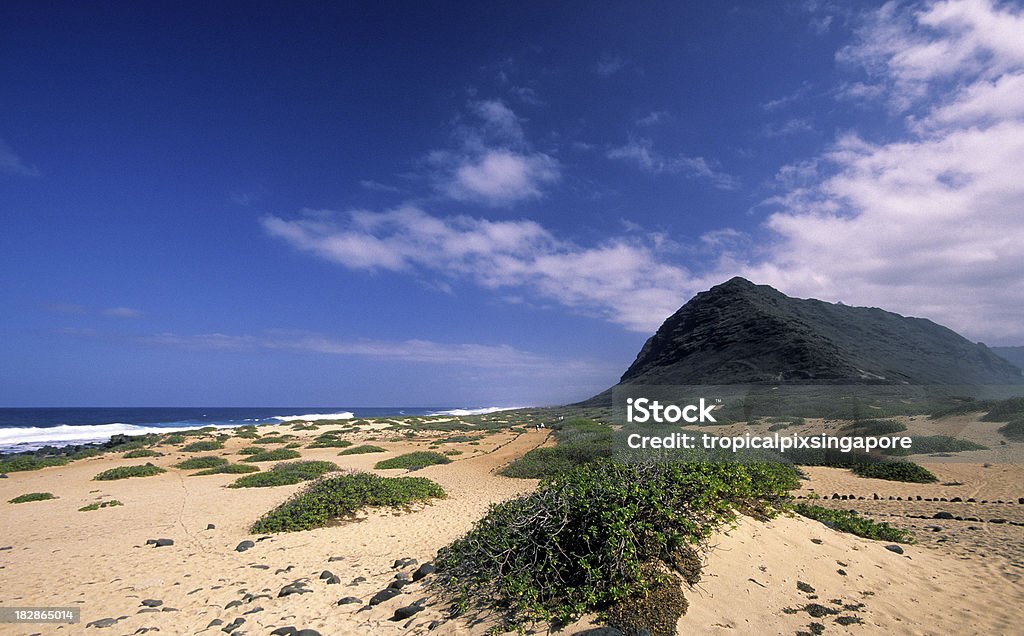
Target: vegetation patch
<point x="579" y="441"/>
<point x="335" y="498"/>
<point x="601" y="534"/>
<point x="110" y="503"/>
<point x="272" y="439"/>
<point x="362" y="450"/>
<point x="923" y="444"/>
<point x="895" y="471"/>
<point x="19" y="463"/>
<point x="124" y="472"/>
<point x="276" y="455"/>
<point x="140" y="453"/>
<point x="413" y="461"/>
<point x="229" y="469"/>
<point x="285" y="474"/>
<point x="174" y="438"/>
<point x="32" y="496"/>
<point x="848" y="521"/>
<point x="197" y="463"/>
<point x="330" y="442"/>
<point x="1005" y="410"/>
<point x="1013" y="430"/>
<point x="251" y="450"/>
<point x="875" y="427"/>
<point x="202" y="446"/>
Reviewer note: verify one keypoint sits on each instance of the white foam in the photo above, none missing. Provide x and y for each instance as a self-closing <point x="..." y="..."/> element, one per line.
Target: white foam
<point x="33" y="437"/>
<point x="482" y="411"/>
<point x="312" y="417"/>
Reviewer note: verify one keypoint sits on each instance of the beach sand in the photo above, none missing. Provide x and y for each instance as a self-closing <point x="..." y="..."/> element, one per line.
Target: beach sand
<point x="98" y="561"/>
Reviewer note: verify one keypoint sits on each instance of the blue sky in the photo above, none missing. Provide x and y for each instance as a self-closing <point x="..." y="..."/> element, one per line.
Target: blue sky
<point x="474" y="204"/>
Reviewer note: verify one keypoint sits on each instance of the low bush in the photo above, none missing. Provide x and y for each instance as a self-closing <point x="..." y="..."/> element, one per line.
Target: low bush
<point x="229" y="469"/>
<point x="202" y="446"/>
<point x="875" y="427"/>
<point x="276" y="455"/>
<point x="335" y="498"/>
<point x="174" y="438"/>
<point x="1005" y="410"/>
<point x="848" y="521"/>
<point x="1014" y="430"/>
<point x="140" y="453"/>
<point x="285" y="474"/>
<point x="597" y="535"/>
<point x="361" y="450"/>
<point x="197" y="463"/>
<point x="124" y="472"/>
<point x="110" y="503"/>
<point x="923" y="444"/>
<point x="270" y="440"/>
<point x="579" y="441"/>
<point x="413" y="461"/>
<point x="895" y="471"/>
<point x="330" y="442"/>
<point x="32" y="496"/>
<point x="251" y="450"/>
<point x="19" y="463"/>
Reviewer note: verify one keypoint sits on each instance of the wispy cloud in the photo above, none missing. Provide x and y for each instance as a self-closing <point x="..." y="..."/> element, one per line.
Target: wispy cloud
<point x="609" y="64"/>
<point x="641" y="153"/>
<point x="12" y="163"/>
<point x="494" y="163"/>
<point x="123" y="312"/>
<point x="377" y="186"/>
<point x="110" y="312"/>
<point x="622" y="280"/>
<point x="787" y="128"/>
<point x="653" y="118"/>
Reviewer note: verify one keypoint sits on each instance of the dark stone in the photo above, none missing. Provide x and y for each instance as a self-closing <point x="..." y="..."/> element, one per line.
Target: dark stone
<point x="284" y="570"/>
<point x="804" y="587"/>
<point x="357" y="580"/>
<point x="942" y="515"/>
<point x="169" y="609"/>
<point x="288" y="590"/>
<point x="423" y="570"/>
<point x="254" y="610"/>
<point x="4" y="476"/>
<point x="210" y="526"/>
<point x="326" y="574"/>
<point x="233" y="625"/>
<point x="1020" y="500"/>
<point x="349" y="600"/>
<point x="214" y="623"/>
<point x="404" y="563"/>
<point x="334" y="580"/>
<point x="956" y="500"/>
<point x="841" y="572"/>
<point x="835" y="495"/>
<point x="383" y="595"/>
<point x="260" y="567"/>
<point x="151" y="602"/>
<point x="287" y="630"/>
<point x="160" y="543"/>
<point x="997" y="520"/>
<point x="245" y="545"/>
<point x="408" y="611"/>
<point x="894" y="548"/>
<point x="307" y="632"/>
<point x="398" y="584"/>
<point x="335" y="558"/>
<point x="232" y="604"/>
<point x="103" y="622"/>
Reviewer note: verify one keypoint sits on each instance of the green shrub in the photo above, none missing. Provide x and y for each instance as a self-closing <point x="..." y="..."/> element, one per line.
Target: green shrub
<point x="276" y="455"/>
<point x="778" y="426"/>
<point x="110" y="503"/>
<point x="334" y="498"/>
<point x="251" y="450"/>
<point x="895" y="471"/>
<point x="175" y="438"/>
<point x="196" y="463"/>
<point x="452" y="453"/>
<point x="924" y="444"/>
<point x="247" y="434"/>
<point x="29" y="462"/>
<point x="330" y="442"/>
<point x="591" y="537"/>
<point x="579" y="441"/>
<point x="413" y="461"/>
<point x="848" y="521"/>
<point x="1013" y="430"/>
<point x="140" y="453"/>
<point x="285" y="474"/>
<point x="32" y="496"/>
<point x="202" y="446"/>
<point x="274" y="439"/>
<point x="361" y="450"/>
<point x="124" y="472"/>
<point x="1005" y="410"/>
<point x="293" y="445"/>
<point x="228" y="469"/>
<point x="876" y="427"/>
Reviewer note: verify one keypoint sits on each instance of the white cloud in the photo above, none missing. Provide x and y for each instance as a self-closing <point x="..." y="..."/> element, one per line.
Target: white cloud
<point x="622" y="280"/>
<point x="653" y="118"/>
<point x="929" y="223"/>
<point x="641" y="153"/>
<point x="494" y="164"/>
<point x="787" y="128"/>
<point x="12" y="163"/>
<point x="609" y="65"/>
<point x="377" y="186"/>
<point x="123" y="312"/>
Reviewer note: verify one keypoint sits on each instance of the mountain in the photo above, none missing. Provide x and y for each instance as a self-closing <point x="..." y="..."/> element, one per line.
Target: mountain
<point x="739" y="332"/>
<point x="1014" y="355"/>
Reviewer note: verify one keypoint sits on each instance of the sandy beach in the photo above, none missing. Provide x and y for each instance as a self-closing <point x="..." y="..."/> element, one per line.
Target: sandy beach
<point x="782" y="576"/>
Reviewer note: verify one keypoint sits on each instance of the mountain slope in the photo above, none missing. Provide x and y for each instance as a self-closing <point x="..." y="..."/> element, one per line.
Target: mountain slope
<point x="739" y="332"/>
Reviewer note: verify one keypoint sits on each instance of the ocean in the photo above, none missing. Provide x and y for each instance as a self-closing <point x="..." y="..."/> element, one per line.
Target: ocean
<point x="26" y="429"/>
